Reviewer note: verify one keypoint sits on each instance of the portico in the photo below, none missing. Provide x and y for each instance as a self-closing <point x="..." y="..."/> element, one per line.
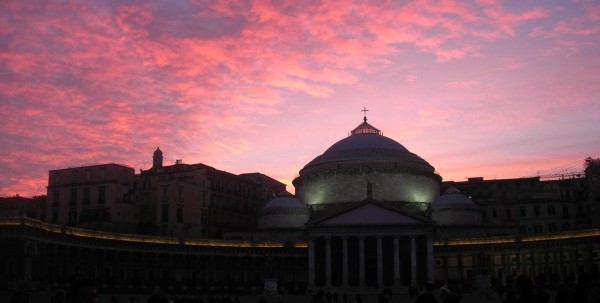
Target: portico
<point x="370" y="246"/>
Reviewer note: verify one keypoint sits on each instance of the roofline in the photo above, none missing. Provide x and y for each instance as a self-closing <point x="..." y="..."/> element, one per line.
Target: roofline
<point x="94" y="165"/>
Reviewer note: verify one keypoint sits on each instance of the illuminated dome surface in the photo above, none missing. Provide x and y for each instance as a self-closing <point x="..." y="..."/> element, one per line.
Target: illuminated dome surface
<point x="367" y="165"/>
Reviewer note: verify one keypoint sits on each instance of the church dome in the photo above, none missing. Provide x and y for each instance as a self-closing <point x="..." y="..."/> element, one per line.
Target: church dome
<point x="454" y="208"/>
<point x="366" y="143"/>
<point x="283" y="211"/>
<point x="367" y="165"/>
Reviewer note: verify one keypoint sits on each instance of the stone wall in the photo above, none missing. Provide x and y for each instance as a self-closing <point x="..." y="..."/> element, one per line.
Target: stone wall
<point x="339" y="187"/>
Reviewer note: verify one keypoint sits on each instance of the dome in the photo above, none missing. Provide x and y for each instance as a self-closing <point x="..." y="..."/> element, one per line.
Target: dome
<point x="158" y="152"/>
<point x="283" y="202"/>
<point x="454" y="208"/>
<point x="283" y="212"/>
<point x="367" y="144"/>
<point x="453" y="199"/>
<point x="367" y="165"/>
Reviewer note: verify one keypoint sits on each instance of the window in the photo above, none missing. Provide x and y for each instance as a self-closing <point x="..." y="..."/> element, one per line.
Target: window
<point x="551" y="210"/>
<point x="179" y="215"/>
<point x="165" y="193"/>
<point x="72" y="217"/>
<point x="73" y="200"/>
<point x="164" y="215"/>
<point x="508" y="213"/>
<point x="101" y="194"/>
<point x="86" y="196"/>
<point x="55" y="197"/>
<point x="566" y="226"/>
<point x="565" y="210"/>
<point x="523" y="211"/>
<point x="55" y="215"/>
<point x="180" y="195"/>
<point x="523" y="228"/>
<point x="536" y="210"/>
<point x="551" y="227"/>
<point x="537" y="228"/>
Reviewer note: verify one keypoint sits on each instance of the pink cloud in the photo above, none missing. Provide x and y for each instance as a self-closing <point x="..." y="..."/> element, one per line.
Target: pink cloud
<point x="110" y="81"/>
<point x="463" y="83"/>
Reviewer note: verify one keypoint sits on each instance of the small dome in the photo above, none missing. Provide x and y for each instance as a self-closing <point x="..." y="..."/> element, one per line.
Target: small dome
<point x="158" y="152"/>
<point x="283" y="211"/>
<point x="453" y="200"/>
<point x="454" y="208"/>
<point x="284" y="202"/>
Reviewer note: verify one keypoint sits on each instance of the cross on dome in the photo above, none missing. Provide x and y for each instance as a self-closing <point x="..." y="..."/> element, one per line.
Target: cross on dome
<point x="364" y="110"/>
<point x="365" y="128"/>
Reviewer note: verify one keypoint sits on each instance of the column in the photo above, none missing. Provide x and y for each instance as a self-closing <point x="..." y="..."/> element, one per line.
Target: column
<point x="344" y="261"/>
<point x="532" y="263"/>
<point x="429" y="258"/>
<point x="588" y="257"/>
<point x="504" y="271"/>
<point x="379" y="263"/>
<point x="562" y="266"/>
<point x="461" y="271"/>
<point x="474" y="265"/>
<point x="361" y="261"/>
<point x="573" y="261"/>
<point x="311" y="263"/>
<point x="396" y="262"/>
<point x="328" y="261"/>
<point x="413" y="261"/>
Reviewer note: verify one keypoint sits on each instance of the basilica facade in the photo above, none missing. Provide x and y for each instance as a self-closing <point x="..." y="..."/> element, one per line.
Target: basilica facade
<point x="368" y="214"/>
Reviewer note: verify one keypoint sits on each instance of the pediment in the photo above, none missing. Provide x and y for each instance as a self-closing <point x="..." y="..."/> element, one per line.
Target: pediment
<point x="370" y="214"/>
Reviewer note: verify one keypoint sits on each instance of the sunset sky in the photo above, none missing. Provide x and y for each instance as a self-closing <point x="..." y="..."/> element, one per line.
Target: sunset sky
<point x="497" y="89"/>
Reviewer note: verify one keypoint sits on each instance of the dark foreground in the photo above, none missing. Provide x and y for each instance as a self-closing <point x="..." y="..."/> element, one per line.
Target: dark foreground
<point x="476" y="297"/>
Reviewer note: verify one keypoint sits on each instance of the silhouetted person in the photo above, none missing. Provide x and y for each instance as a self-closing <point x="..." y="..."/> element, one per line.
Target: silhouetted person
<point x="525" y="292"/>
<point x="21" y="296"/>
<point x="581" y="290"/>
<point x="60" y="296"/>
<point x="83" y="290"/>
<point x="158" y="297"/>
<point x="427" y="296"/>
<point x="562" y="295"/>
<point x="448" y="296"/>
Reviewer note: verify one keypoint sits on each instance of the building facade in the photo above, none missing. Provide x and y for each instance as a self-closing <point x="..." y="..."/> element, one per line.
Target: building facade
<point x="368" y="214"/>
<point x="92" y="196"/>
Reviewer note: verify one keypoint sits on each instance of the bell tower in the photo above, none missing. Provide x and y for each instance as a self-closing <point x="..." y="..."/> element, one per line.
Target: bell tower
<point x="157" y="159"/>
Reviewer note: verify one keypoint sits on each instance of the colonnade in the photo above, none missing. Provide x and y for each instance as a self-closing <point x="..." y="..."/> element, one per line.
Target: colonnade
<point x="549" y="262"/>
<point x="369" y="261"/>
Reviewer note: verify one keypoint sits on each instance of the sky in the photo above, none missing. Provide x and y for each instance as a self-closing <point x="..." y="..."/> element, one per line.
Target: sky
<point x="493" y="89"/>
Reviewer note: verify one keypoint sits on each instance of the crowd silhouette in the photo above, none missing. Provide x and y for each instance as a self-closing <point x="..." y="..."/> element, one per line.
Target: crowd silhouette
<point x="518" y="288"/>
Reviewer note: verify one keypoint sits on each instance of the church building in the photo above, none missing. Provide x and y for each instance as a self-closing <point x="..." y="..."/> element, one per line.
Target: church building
<point x="367" y="215"/>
